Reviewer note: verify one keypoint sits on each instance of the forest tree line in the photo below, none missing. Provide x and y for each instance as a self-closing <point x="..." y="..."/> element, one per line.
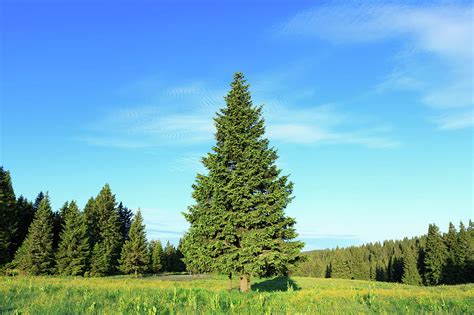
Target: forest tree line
<point x="432" y="259"/>
<point x="103" y="239"/>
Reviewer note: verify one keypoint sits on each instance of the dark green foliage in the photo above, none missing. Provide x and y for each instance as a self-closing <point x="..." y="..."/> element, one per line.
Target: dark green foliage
<point x="91" y="218"/>
<point x="156" y="256"/>
<point x="135" y="257"/>
<point x="73" y="249"/>
<point x="435" y="256"/>
<point x="169" y="257"/>
<point x="24" y="216"/>
<point x="179" y="265"/>
<point x="340" y="267"/>
<point x="410" y="267"/>
<point x="8" y="219"/>
<point x="125" y="218"/>
<point x="469" y="264"/>
<point x="58" y="223"/>
<point x="38" y="200"/>
<point x="238" y="224"/>
<point x="462" y="253"/>
<point x="35" y="256"/>
<point x="451" y="242"/>
<point x="107" y="247"/>
<point x="396" y="261"/>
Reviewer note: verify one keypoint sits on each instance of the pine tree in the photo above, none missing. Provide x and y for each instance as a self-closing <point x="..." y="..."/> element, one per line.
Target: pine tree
<point x="106" y="250"/>
<point x="38" y="200"/>
<point x="469" y="269"/>
<point x="451" y="242"/>
<point x="340" y="266"/>
<point x="135" y="257"/>
<point x="180" y="266"/>
<point x="238" y="224"/>
<point x="58" y="223"/>
<point x="169" y="260"/>
<point x="91" y="218"/>
<point x="25" y="214"/>
<point x="156" y="254"/>
<point x="8" y="218"/>
<point x="35" y="256"/>
<point x="461" y="255"/>
<point x="73" y="249"/>
<point x="435" y="256"/>
<point x="410" y="269"/>
<point x="125" y="218"/>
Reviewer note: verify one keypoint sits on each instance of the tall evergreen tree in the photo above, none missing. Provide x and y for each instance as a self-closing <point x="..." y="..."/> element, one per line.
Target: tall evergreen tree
<point x="38" y="200"/>
<point x="180" y="266"/>
<point x="461" y="255"/>
<point x="91" y="218"/>
<point x="58" y="223"/>
<point x="238" y="218"/>
<point x="8" y="219"/>
<point x="156" y="255"/>
<point x="25" y="214"/>
<point x="35" y="256"/>
<point x="435" y="256"/>
<point x="451" y="242"/>
<point x="106" y="250"/>
<point x="73" y="250"/>
<point x="169" y="258"/>
<point x="125" y="218"/>
<point x="410" y="269"/>
<point x="340" y="267"/>
<point x="469" y="267"/>
<point x="135" y="257"/>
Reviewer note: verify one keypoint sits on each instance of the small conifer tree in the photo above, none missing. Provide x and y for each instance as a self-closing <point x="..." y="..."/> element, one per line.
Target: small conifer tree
<point x="156" y="251"/>
<point x="410" y="269"/>
<point x="35" y="256"/>
<point x="106" y="250"/>
<point x="135" y="257"/>
<point x="73" y="250"/>
<point x="435" y="256"/>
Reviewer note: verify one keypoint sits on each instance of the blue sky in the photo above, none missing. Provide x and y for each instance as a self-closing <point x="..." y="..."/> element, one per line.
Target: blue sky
<point x="370" y="106"/>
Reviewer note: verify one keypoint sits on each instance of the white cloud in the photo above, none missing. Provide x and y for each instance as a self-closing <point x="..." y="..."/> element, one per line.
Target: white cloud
<point x="457" y="95"/>
<point x="162" y="224"/>
<point x="187" y="120"/>
<point x="443" y="31"/>
<point x="458" y="120"/>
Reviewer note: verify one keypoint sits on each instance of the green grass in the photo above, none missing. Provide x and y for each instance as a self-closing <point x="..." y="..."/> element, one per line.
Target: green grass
<point x="210" y="295"/>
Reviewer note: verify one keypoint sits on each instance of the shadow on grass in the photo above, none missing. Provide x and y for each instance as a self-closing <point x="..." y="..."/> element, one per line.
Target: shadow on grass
<point x="276" y="284"/>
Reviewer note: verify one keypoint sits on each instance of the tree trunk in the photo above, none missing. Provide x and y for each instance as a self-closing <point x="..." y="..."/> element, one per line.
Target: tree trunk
<point x="244" y="283"/>
<point x="230" y="282"/>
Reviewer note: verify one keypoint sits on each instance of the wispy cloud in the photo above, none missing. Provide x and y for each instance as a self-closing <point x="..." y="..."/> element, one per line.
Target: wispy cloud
<point x="326" y="124"/>
<point x="442" y="29"/>
<point x="162" y="224"/>
<point x="438" y="43"/>
<point x="457" y="120"/>
<point x="187" y="120"/>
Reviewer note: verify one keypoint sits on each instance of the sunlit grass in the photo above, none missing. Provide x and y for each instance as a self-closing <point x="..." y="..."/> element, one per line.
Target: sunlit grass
<point x="210" y="295"/>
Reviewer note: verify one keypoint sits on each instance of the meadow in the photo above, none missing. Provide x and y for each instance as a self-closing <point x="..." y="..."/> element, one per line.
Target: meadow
<point x="211" y="295"/>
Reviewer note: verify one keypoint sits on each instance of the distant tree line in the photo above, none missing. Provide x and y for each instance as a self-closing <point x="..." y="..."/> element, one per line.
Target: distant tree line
<point x="432" y="259"/>
<point x="103" y="239"/>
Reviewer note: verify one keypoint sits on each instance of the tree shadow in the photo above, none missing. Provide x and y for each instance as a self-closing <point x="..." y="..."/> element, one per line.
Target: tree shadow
<point x="276" y="284"/>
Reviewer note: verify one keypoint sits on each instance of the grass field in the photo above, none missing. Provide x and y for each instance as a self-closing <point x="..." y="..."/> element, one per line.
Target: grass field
<point x="211" y="295"/>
